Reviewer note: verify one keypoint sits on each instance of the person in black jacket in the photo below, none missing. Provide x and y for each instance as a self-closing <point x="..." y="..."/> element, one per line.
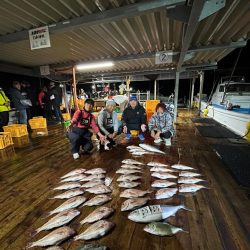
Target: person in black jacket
<point x="134" y="118"/>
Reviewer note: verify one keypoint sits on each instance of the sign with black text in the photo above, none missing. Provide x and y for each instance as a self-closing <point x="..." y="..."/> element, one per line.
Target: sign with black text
<point x="39" y="38"/>
<point x="163" y="57"/>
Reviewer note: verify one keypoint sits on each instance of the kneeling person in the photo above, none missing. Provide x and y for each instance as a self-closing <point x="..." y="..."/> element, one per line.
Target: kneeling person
<point x="80" y="135"/>
<point x="108" y="122"/>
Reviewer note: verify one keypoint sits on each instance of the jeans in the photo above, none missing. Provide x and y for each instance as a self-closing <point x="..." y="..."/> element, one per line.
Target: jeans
<point x="22" y="119"/>
<point x="58" y="113"/>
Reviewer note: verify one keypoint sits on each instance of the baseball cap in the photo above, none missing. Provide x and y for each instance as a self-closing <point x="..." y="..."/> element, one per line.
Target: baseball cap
<point x="132" y="98"/>
<point x="110" y="103"/>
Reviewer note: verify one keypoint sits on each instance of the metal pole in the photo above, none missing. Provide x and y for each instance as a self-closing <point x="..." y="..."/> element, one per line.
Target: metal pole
<point x="192" y="93"/>
<point x="201" y="90"/>
<point x="74" y="88"/>
<point x="155" y="84"/>
<point x="176" y="90"/>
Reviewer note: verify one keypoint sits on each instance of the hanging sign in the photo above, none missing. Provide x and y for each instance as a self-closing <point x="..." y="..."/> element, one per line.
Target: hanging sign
<point x="39" y="38"/>
<point x="44" y="70"/>
<point x="163" y="57"/>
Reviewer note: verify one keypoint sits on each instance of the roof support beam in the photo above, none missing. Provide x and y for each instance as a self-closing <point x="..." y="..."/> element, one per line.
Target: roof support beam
<point x="98" y="18"/>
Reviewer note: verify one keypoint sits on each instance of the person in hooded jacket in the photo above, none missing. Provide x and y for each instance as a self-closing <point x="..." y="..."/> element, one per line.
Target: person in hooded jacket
<point x="134" y="118"/>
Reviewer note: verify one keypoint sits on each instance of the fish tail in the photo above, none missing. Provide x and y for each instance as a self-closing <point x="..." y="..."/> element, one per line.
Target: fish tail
<point x="35" y="232"/>
<point x="184" y="231"/>
<point x="29" y="245"/>
<point x="185" y="208"/>
<point x="46" y="215"/>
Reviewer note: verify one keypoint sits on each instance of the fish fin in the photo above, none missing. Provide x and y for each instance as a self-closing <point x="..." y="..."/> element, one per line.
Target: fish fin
<point x="184" y="231"/>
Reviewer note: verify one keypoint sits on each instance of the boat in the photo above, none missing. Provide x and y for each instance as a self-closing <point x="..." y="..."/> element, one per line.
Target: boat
<point x="230" y="105"/>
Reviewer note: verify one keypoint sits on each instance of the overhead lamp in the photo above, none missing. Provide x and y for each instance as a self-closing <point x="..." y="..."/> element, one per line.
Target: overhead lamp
<point x="96" y="65"/>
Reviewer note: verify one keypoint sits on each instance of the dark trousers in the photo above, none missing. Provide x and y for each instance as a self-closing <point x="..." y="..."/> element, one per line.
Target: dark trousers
<point x="166" y="135"/>
<point x="4" y="119"/>
<point x="57" y="112"/>
<point x="80" y="137"/>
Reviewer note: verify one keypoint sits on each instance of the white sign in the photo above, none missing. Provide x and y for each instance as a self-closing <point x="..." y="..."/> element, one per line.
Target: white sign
<point x="163" y="57"/>
<point x="44" y="70"/>
<point x="39" y="38"/>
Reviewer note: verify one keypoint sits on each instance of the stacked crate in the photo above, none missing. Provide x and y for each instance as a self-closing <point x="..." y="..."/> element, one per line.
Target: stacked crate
<point x="38" y="122"/>
<point x="5" y="140"/>
<point x="150" y="108"/>
<point x="16" y="130"/>
<point x="66" y="116"/>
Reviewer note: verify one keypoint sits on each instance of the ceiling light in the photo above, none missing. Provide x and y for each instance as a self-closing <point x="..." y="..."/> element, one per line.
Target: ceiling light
<point x="97" y="65"/>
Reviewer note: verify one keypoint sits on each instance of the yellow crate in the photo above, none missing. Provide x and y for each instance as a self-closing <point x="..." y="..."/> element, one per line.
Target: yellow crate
<point x="66" y="116"/>
<point x="37" y="117"/>
<point x="37" y="122"/>
<point x="5" y="139"/>
<point x="134" y="132"/>
<point x="21" y="142"/>
<point x="80" y="103"/>
<point x="151" y="105"/>
<point x="16" y="130"/>
<point x="149" y="114"/>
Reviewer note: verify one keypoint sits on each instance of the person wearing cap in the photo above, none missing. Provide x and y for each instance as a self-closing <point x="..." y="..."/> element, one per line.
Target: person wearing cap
<point x="108" y="122"/>
<point x="134" y="118"/>
<point x="80" y="135"/>
<point x="161" y="125"/>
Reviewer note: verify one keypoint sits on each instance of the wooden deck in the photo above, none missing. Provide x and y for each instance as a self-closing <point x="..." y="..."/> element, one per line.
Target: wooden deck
<point x="220" y="217"/>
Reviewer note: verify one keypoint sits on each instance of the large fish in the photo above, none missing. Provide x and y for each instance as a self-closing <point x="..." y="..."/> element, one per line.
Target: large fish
<point x="127" y="166"/>
<point x="53" y="238"/>
<point x="139" y="153"/>
<point x="157" y="164"/>
<point x="96" y="171"/>
<point x="151" y="148"/>
<point x="99" y="189"/>
<point x="134" y="193"/>
<point x="68" y="194"/>
<point x="154" y="213"/>
<point x="162" y="169"/>
<point x="165" y="193"/>
<point x="74" y="172"/>
<point x="136" y="150"/>
<point x="67" y="186"/>
<point x="93" y="177"/>
<point x="190" y="188"/>
<point x="131" y="161"/>
<point x="162" y="183"/>
<point x="162" y="229"/>
<point x="127" y="171"/>
<point x="97" y="200"/>
<point x="92" y="247"/>
<point x="98" y="229"/>
<point x="59" y="220"/>
<point x="55" y="248"/>
<point x="71" y="203"/>
<point x="77" y="177"/>
<point x="182" y="167"/>
<point x="134" y="203"/>
<point x="90" y="184"/>
<point x="163" y="176"/>
<point x="189" y="180"/>
<point x="133" y="147"/>
<point x="129" y="178"/>
<point x="129" y="184"/>
<point x="98" y="214"/>
<point x="188" y="174"/>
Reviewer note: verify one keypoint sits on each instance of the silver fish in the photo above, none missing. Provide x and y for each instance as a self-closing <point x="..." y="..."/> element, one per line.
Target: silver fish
<point x="129" y="178"/>
<point x="133" y="147"/>
<point x="131" y="161"/>
<point x="108" y="181"/>
<point x="162" y="229"/>
<point x="97" y="200"/>
<point x="162" y="169"/>
<point x="74" y="172"/>
<point x="136" y="150"/>
<point x="59" y="220"/>
<point x="54" y="248"/>
<point x="98" y="229"/>
<point x="68" y="194"/>
<point x="139" y="153"/>
<point x="188" y="174"/>
<point x="66" y="186"/>
<point x="53" y="238"/>
<point x="90" y="184"/>
<point x="134" y="193"/>
<point x="165" y="193"/>
<point x="96" y="171"/>
<point x="189" y="188"/>
<point x="189" y="180"/>
<point x="99" y="189"/>
<point x="182" y="167"/>
<point x="77" y="177"/>
<point x="162" y="183"/>
<point x="163" y="176"/>
<point x="70" y="203"/>
<point x="127" y="166"/>
<point x="151" y="148"/>
<point x="93" y="176"/>
<point x="157" y="164"/>
<point x="98" y="214"/>
<point x="134" y="203"/>
<point x="154" y="213"/>
<point x="129" y="184"/>
<point x="127" y="171"/>
<point x="92" y="247"/>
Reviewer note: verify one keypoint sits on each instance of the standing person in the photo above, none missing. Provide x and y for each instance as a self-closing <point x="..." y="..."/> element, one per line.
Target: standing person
<point x="134" y="118"/>
<point x="108" y="122"/>
<point x="4" y="109"/>
<point x="55" y="101"/>
<point x="161" y="125"/>
<point x="19" y="102"/>
<point x="80" y="135"/>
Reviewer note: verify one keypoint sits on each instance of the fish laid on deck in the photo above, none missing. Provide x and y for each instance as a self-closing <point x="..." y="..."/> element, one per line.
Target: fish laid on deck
<point x="127" y="166"/>
<point x="133" y="147"/>
<point x="108" y="181"/>
<point x="165" y="193"/>
<point x="131" y="161"/>
<point x="93" y="183"/>
<point x="67" y="186"/>
<point x="134" y="203"/>
<point x="182" y="167"/>
<point x="162" y="169"/>
<point x="98" y="229"/>
<point x="156" y="164"/>
<point x="188" y="174"/>
<point x="78" y="177"/>
<point x="129" y="184"/>
<point x="96" y="171"/>
<point x="74" y="172"/>
<point x="98" y="200"/>
<point x="190" y="188"/>
<point x="163" y="176"/>
<point x="129" y="178"/>
<point x="99" y="189"/>
<point x="151" y="148"/>
<point x="98" y="214"/>
<point x="162" y="183"/>
<point x="93" y="177"/>
<point x="53" y="238"/>
<point x="134" y="193"/>
<point x="127" y="171"/>
<point x="92" y="247"/>
<point x="55" y="248"/>
<point x="68" y="194"/>
<point x="189" y="180"/>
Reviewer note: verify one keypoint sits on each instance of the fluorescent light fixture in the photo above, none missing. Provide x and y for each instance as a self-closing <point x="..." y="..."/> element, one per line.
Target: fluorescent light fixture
<point x="96" y="65"/>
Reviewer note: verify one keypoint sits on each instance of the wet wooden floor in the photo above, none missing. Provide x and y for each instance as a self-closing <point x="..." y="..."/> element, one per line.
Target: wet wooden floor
<point x="219" y="218"/>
